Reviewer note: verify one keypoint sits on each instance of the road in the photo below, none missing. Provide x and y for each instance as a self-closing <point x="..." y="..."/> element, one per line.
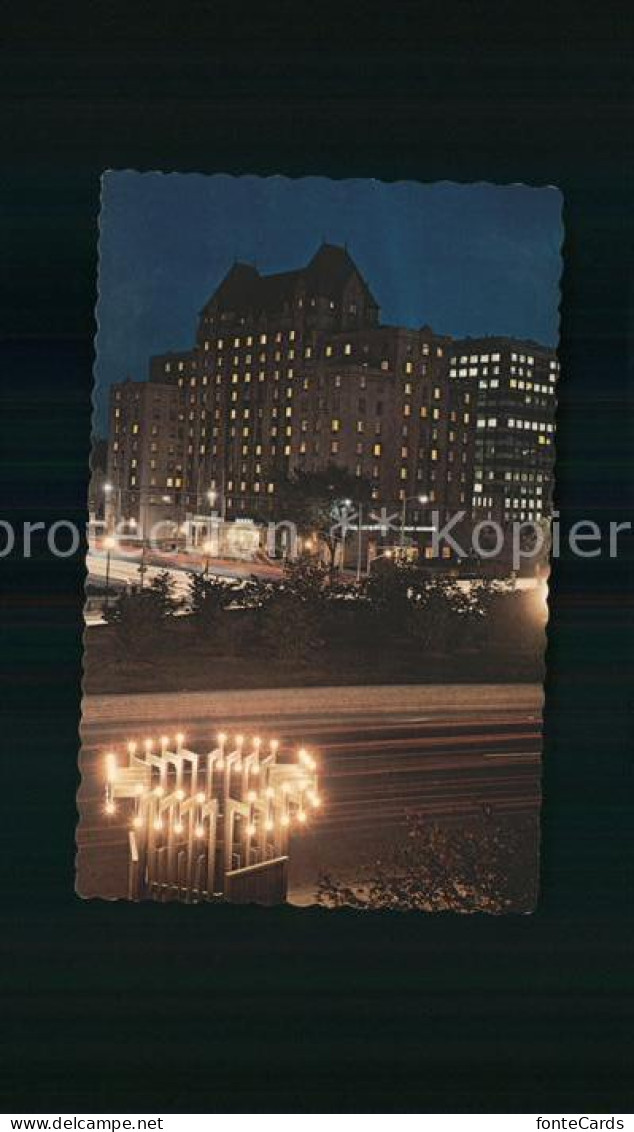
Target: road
<point x="124" y="567"/>
<point x="440" y="750"/>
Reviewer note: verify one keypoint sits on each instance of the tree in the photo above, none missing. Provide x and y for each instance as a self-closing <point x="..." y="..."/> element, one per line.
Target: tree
<point x="485" y="864"/>
<point x="161" y="592"/>
<point x="139" y="615"/>
<point x="134" y="616"/>
<point x="315" y="502"/>
<point x="292" y="612"/>
<point x="290" y="629"/>
<point x="207" y="598"/>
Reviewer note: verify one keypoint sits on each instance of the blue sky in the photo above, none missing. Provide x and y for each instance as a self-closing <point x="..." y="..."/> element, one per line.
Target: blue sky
<point x="466" y="259"/>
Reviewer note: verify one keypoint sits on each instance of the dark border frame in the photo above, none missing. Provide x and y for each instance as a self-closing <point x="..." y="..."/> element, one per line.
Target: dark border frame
<point x="122" y="1008"/>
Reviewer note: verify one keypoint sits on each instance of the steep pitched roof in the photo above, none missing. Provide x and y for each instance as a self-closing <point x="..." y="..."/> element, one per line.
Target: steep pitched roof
<point x="330" y="269"/>
<point x="239" y="285"/>
<point x="326" y="274"/>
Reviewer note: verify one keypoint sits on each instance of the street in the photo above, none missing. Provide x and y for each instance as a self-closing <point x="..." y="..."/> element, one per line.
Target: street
<point x="438" y="750"/>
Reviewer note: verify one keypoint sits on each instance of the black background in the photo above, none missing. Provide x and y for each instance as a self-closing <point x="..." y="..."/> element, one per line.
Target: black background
<point x="112" y="1008"/>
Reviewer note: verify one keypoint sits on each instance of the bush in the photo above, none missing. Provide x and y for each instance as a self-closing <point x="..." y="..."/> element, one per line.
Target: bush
<point x="486" y="864"/>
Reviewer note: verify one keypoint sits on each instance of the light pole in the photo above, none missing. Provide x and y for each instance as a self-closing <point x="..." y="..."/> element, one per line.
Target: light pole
<point x="359" y="529"/>
<point x="109" y="543"/>
<point x="107" y="490"/>
<point x="211" y="496"/>
<point x="142" y="565"/>
<point x="347" y="504"/>
<point x="207" y="547"/>
<point x="408" y="499"/>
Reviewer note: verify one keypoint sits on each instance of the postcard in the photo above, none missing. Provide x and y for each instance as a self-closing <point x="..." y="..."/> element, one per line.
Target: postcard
<point x="321" y="507"/>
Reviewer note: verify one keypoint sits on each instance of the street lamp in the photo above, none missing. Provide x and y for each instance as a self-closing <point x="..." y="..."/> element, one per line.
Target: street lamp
<point x="109" y="543"/>
<point x="207" y="547"/>
<point x="346" y="504"/>
<point x="408" y="499"/>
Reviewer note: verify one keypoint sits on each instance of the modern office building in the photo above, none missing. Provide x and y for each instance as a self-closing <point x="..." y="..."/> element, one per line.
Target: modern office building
<point x="513" y="386"/>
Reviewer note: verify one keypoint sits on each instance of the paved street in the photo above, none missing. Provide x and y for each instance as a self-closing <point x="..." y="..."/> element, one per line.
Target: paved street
<point x="441" y="750"/>
<point x="124" y="567"/>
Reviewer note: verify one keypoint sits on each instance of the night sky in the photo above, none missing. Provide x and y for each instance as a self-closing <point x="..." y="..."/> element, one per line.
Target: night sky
<point x="466" y="259"/>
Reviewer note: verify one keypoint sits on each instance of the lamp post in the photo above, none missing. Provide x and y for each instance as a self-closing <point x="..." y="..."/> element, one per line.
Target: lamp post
<point x="212" y="495"/>
<point x="107" y="490"/>
<point x="347" y="504"/>
<point x="142" y="565"/>
<point x="359" y="529"/>
<point x="109" y="544"/>
<point x="408" y="499"/>
<point x="207" y="547"/>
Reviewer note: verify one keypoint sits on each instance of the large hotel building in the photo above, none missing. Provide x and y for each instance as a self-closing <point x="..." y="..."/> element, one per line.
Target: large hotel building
<point x="295" y="371"/>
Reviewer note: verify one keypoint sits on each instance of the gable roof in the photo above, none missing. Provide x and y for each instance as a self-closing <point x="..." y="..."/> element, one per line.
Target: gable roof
<point x="326" y="274"/>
